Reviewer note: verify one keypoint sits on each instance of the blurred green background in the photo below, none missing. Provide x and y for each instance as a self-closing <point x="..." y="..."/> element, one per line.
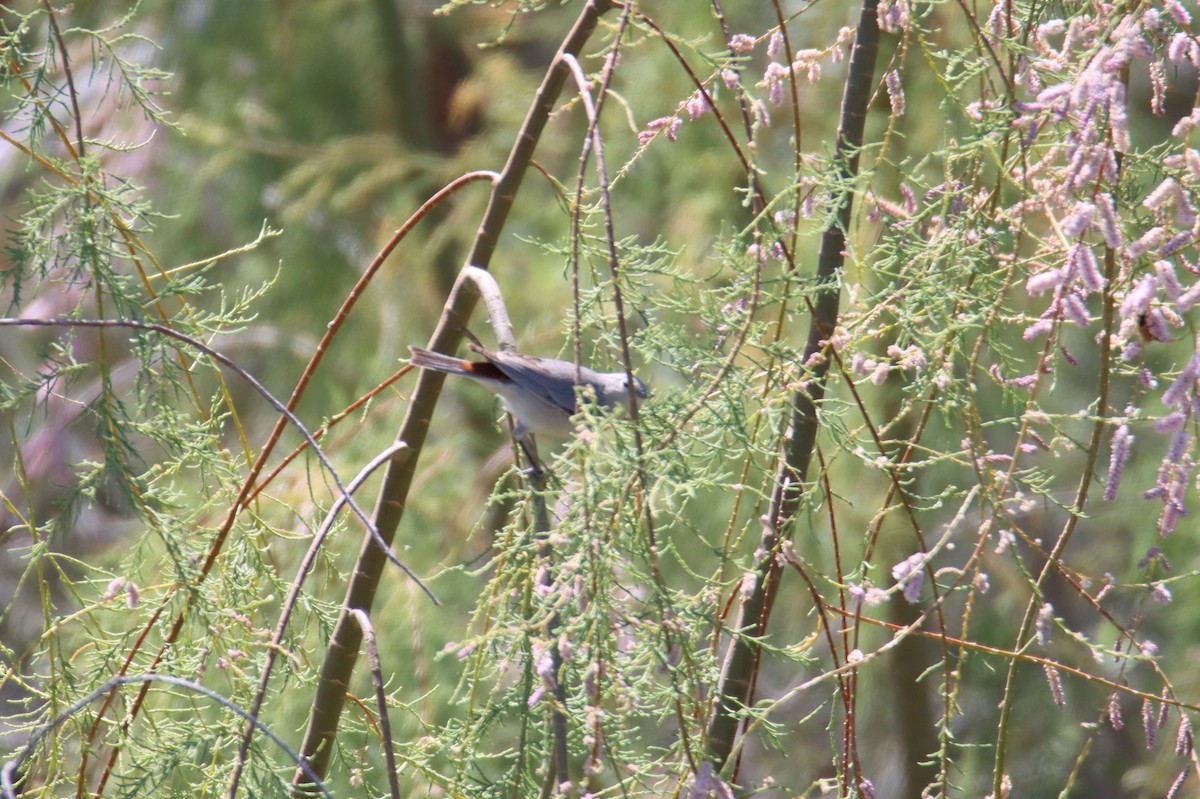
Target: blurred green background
<point x="330" y="122"/>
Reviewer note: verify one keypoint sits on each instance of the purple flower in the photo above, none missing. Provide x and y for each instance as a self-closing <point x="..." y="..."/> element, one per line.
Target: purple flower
<point x="1183" y="738"/>
<point x="1177" y="242"/>
<point x="1108" y="221"/>
<point x="1082" y="261"/>
<point x="1178" y="13"/>
<point x="1114" y="713"/>
<point x="1184" y="385"/>
<point x="879" y="374"/>
<point x="1079" y="221"/>
<point x="545" y="668"/>
<point x="1039" y="284"/>
<point x="895" y="91"/>
<point x="1180" y="443"/>
<point x="1163" y="193"/>
<point x="697" y="105"/>
<point x="1173" y="511"/>
<point x="1165" y="271"/>
<point x="1185" y="212"/>
<point x="1188" y="299"/>
<point x="1175" y="420"/>
<point x="1118" y="117"/>
<point x="1055" y="682"/>
<point x="1177" y="48"/>
<point x="1139" y="297"/>
<point x="1056" y="92"/>
<point x="1075" y="308"/>
<point x="1149" y="724"/>
<point x="910" y="572"/>
<point x="893" y="16"/>
<point x="668" y="125"/>
<point x="773" y="79"/>
<point x="775" y="43"/>
<point x="1042" y="624"/>
<point x="1149" y="240"/>
<point x="1038" y="328"/>
<point x="867" y="595"/>
<point x="742" y="42"/>
<point x="1161" y="593"/>
<point x="1191" y="120"/>
<point x="1177" y="786"/>
<point x="1053" y="27"/>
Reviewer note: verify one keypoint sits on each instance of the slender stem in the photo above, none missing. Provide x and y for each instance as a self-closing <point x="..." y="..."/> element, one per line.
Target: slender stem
<point x="52" y="14"/>
<point x="385" y="725"/>
<point x="737" y="673"/>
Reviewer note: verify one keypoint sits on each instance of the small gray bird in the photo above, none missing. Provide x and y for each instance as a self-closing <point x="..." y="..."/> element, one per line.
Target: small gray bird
<point x="538" y="392"/>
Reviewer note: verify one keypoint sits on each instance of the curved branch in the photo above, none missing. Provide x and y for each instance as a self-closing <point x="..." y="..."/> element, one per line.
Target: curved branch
<point x="317" y="746"/>
<point x="289" y="604"/>
<point x="10" y="770"/>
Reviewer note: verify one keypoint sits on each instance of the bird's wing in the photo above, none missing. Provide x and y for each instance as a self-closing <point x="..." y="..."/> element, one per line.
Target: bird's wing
<point x="551" y="380"/>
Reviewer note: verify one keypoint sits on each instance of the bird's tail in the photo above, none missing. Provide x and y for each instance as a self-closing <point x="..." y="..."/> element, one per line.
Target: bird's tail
<point x="427" y="359"/>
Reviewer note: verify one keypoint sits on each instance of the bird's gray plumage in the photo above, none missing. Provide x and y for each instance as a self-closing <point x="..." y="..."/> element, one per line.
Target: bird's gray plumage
<point x="538" y="392"/>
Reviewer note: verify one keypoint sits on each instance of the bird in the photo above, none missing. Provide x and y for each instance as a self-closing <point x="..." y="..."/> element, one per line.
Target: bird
<point x="538" y="392"/>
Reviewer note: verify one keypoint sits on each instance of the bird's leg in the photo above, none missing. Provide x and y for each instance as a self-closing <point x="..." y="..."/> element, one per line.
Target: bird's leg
<point x="534" y="471"/>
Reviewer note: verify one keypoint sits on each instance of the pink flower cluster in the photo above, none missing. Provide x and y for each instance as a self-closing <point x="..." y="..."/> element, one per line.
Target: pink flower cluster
<point x="1077" y="74"/>
<point x="775" y="80"/>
